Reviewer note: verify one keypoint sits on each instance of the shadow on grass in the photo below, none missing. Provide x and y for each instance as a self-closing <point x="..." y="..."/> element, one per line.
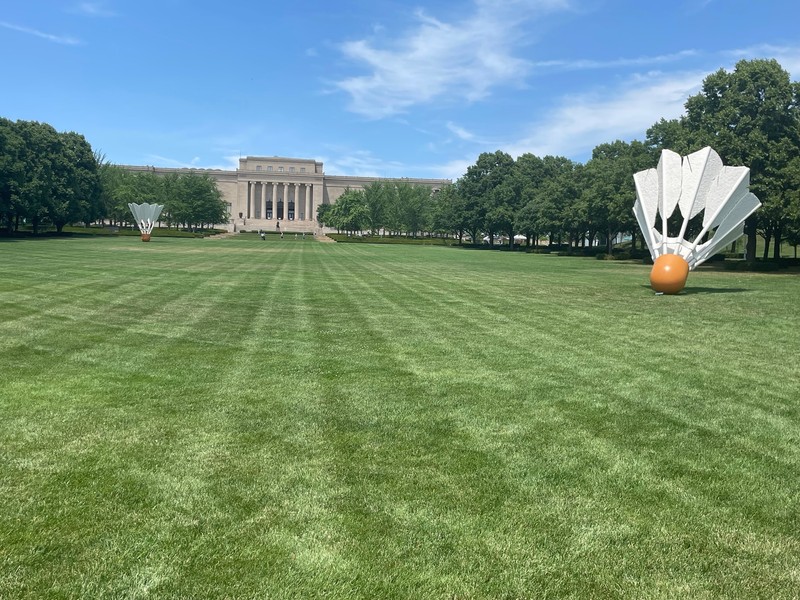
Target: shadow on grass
<point x="705" y="290"/>
<point x="711" y="290"/>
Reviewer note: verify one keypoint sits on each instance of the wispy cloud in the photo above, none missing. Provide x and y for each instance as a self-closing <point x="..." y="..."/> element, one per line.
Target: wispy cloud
<point x="582" y="122"/>
<point x="787" y="56"/>
<point x="93" y="9"/>
<point x="438" y="59"/>
<point x="695" y="6"/>
<point x="641" y="61"/>
<point x="460" y="132"/>
<point x="58" y="39"/>
<point x="361" y="163"/>
<point x="230" y="162"/>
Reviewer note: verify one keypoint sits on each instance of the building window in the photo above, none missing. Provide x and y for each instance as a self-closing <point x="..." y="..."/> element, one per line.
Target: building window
<point x="280" y="169"/>
<point x="291" y="169"/>
<point x="302" y="169"/>
<point x="258" y="167"/>
<point x="269" y="168"/>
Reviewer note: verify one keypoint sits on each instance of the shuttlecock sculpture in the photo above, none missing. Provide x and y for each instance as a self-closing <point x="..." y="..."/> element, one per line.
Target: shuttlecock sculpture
<point x="146" y="216"/>
<point x="692" y="184"/>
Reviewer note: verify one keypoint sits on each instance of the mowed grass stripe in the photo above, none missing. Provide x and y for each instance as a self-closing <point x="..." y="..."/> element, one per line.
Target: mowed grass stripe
<point x="362" y="421"/>
<point x="586" y="383"/>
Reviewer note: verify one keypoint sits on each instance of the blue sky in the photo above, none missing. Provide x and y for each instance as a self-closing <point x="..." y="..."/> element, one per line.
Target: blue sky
<point x="371" y="87"/>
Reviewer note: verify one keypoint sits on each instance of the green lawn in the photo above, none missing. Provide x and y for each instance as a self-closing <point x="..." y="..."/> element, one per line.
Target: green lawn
<point x="232" y="418"/>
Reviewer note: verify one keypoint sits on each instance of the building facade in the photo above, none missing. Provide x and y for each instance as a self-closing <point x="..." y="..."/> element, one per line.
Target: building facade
<point x="281" y="193"/>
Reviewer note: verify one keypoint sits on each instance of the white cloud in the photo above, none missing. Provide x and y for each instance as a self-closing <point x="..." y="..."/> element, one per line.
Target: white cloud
<point x="585" y="64"/>
<point x="694" y="6"/>
<point x="439" y="59"/>
<point x="361" y="163"/>
<point x="58" y="39"/>
<point x="93" y="9"/>
<point x="584" y="121"/>
<point x="452" y="169"/>
<point x="230" y="162"/>
<point x="460" y="132"/>
<point x="787" y="56"/>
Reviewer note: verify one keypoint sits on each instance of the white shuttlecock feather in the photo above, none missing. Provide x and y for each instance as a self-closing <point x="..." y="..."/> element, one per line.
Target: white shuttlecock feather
<point x="694" y="183"/>
<point x="146" y="216"/>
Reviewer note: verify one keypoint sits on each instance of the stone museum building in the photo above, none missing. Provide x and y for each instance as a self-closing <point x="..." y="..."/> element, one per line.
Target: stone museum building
<point x="275" y="192"/>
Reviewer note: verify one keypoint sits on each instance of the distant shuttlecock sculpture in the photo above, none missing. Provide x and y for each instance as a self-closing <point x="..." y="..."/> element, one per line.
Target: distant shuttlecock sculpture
<point x="146" y="216"/>
<point x="694" y="183"/>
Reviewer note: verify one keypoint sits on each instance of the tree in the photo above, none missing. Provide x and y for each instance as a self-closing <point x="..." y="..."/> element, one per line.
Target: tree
<point x="449" y="216"/>
<point x="350" y="211"/>
<point x="75" y="195"/>
<point x="377" y="196"/>
<point x="414" y="207"/>
<point x="671" y="135"/>
<point x="751" y="117"/>
<point x="503" y="207"/>
<point x="40" y="145"/>
<point x="477" y="186"/>
<point x="12" y="174"/>
<point x="609" y="188"/>
<point x="324" y="214"/>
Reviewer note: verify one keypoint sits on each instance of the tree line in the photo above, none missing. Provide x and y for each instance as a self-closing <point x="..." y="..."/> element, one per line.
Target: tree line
<point x="750" y="116"/>
<point x="191" y="200"/>
<point x="382" y="206"/>
<point x="51" y="178"/>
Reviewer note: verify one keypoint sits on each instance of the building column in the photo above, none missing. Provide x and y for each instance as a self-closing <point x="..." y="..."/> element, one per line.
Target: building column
<point x="286" y="191"/>
<point x="256" y="212"/>
<point x="300" y="202"/>
<point x="310" y="202"/>
<point x="249" y="196"/>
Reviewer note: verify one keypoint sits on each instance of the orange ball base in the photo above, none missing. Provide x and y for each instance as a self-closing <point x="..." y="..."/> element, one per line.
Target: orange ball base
<point x="145" y="237"/>
<point x="669" y="274"/>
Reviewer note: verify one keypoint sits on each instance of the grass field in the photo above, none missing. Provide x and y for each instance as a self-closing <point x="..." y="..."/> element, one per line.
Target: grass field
<point x="290" y="419"/>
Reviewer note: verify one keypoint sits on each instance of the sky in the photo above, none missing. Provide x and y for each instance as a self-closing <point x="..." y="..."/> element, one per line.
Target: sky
<point x="371" y="87"/>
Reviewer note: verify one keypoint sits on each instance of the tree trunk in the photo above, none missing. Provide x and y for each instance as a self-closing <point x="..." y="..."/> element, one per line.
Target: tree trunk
<point x="776" y="254"/>
<point x="767" y="241"/>
<point x="609" y="243"/>
<point x="750" y="230"/>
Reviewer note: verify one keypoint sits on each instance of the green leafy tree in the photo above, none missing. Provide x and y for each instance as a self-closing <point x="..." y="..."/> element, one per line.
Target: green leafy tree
<point x="377" y="196"/>
<point x="751" y="117"/>
<point x="477" y="187"/>
<point x="448" y="215"/>
<point x="40" y="145"/>
<point x="525" y="221"/>
<point x="414" y="206"/>
<point x="349" y="213"/>
<point x="75" y="195"/>
<point x="323" y="215"/>
<point x="609" y="189"/>
<point x="671" y="135"/>
<point x="12" y="174"/>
